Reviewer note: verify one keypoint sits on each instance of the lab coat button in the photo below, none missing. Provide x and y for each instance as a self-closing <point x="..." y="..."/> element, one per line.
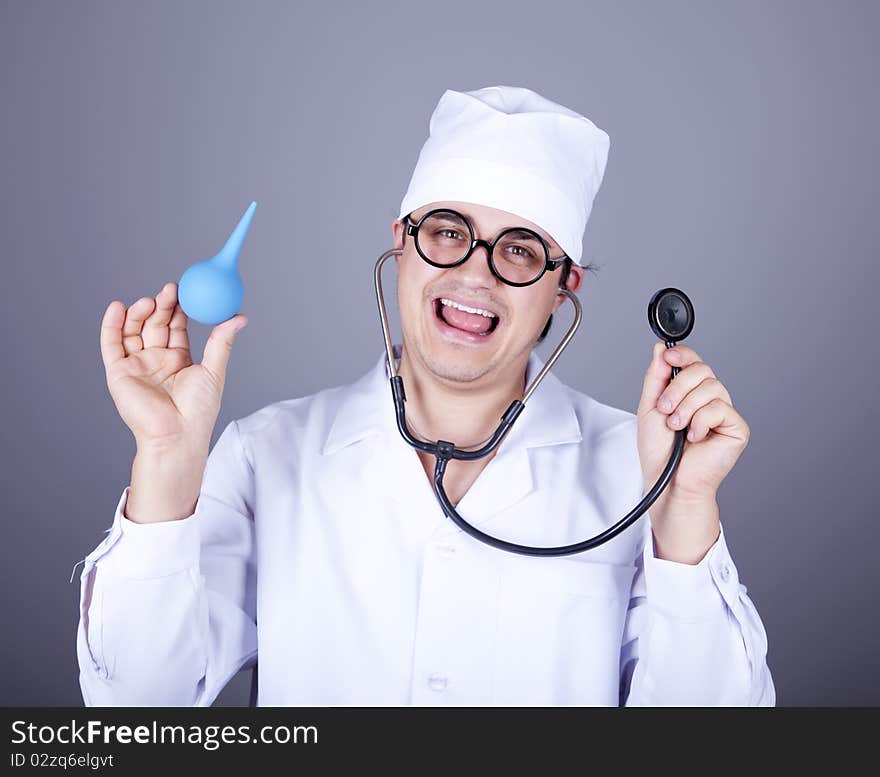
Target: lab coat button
<point x="437" y="682"/>
<point x="724" y="571"/>
<point x="448" y="551"/>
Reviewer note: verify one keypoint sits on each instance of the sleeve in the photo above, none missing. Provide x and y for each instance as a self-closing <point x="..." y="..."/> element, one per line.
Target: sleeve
<point x="692" y="636"/>
<point x="168" y="610"/>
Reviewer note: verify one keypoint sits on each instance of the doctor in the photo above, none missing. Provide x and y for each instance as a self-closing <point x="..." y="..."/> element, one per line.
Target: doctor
<point x="310" y="539"/>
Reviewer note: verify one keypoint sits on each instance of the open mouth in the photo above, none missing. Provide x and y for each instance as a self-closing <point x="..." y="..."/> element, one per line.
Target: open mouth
<point x="468" y="322"/>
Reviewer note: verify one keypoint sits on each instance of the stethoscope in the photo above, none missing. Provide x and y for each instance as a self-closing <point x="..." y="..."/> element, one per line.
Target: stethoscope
<point x="671" y="317"/>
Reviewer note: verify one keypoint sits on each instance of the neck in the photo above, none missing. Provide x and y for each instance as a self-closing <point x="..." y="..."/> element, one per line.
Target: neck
<point x="465" y="414"/>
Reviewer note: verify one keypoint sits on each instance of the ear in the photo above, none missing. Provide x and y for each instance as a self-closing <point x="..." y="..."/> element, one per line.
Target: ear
<point x="572" y="283"/>
<point x="397" y="227"/>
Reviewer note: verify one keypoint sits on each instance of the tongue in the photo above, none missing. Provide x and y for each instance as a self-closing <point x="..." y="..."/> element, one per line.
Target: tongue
<point x="469" y="322"/>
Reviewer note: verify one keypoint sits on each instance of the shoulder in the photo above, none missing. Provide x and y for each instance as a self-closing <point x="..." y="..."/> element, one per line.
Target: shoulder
<point x="602" y="424"/>
<point x="314" y="420"/>
<point x="609" y="465"/>
<point x="295" y="417"/>
<point x="608" y="452"/>
<point x="290" y="413"/>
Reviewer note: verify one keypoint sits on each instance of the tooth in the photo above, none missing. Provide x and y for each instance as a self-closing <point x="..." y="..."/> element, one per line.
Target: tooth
<point x="466" y="309"/>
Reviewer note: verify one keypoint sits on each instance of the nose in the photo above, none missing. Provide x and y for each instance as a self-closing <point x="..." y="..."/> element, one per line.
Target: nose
<point x="476" y="270"/>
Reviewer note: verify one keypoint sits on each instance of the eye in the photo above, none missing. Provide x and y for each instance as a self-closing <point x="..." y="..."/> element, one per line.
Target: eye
<point x="520" y="251"/>
<point x="451" y="234"/>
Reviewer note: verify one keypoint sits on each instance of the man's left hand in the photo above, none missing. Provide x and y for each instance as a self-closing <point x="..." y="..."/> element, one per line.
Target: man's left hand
<point x="685" y="518"/>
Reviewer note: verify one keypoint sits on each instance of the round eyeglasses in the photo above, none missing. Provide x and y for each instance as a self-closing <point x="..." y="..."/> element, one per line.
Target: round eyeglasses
<point x="518" y="256"/>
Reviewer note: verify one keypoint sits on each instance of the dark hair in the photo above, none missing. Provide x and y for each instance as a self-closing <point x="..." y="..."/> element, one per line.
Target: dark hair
<point x="563" y="279"/>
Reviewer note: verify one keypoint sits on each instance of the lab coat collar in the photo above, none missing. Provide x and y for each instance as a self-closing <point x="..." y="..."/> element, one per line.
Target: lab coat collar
<point x="367" y="408"/>
<point x="367" y="411"/>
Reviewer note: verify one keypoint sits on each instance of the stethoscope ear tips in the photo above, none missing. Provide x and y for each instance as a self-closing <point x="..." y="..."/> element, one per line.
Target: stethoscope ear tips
<point x="671" y="315"/>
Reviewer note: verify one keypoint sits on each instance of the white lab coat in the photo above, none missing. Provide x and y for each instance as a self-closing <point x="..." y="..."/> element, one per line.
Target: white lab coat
<point x="317" y="542"/>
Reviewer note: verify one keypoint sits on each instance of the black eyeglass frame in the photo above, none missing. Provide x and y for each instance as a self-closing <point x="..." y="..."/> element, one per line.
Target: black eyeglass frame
<point x="412" y="229"/>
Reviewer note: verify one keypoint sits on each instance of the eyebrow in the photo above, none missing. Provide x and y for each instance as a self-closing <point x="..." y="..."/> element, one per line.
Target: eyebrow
<point x="524" y="233"/>
<point x="450" y="219"/>
<point x="470" y="217"/>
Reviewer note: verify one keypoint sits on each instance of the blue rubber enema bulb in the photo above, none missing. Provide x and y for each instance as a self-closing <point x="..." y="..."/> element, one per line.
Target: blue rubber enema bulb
<point x="211" y="291"/>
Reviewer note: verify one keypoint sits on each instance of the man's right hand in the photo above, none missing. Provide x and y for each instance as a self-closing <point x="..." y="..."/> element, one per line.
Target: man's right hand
<point x="169" y="404"/>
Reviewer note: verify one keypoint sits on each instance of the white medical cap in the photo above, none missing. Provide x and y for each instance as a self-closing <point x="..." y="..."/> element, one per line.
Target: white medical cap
<point x="509" y="148"/>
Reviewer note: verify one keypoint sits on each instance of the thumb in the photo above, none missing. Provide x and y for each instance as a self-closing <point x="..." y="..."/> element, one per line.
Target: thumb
<point x="219" y="345"/>
<point x="657" y="378"/>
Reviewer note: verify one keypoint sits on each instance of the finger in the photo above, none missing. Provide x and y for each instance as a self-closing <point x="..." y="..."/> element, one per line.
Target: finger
<point x="657" y="378"/>
<point x="178" y="337"/>
<point x="134" y="324"/>
<point x="219" y="346"/>
<point x="155" y="333"/>
<point x="703" y="394"/>
<point x="686" y="381"/>
<point x="681" y="356"/>
<point x="720" y="418"/>
<point x="111" y="333"/>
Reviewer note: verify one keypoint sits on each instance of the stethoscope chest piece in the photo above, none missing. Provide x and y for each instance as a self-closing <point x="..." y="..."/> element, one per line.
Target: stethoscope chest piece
<point x="671" y="315"/>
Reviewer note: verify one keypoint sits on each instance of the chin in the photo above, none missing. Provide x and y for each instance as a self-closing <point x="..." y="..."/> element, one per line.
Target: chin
<point x="456" y="370"/>
<point x="457" y="362"/>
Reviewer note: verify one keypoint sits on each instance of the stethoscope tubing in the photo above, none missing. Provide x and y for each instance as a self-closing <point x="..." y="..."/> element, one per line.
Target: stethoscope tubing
<point x="444" y="451"/>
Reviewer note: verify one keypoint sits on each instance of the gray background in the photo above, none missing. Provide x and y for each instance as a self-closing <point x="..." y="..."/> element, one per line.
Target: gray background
<point x="743" y="169"/>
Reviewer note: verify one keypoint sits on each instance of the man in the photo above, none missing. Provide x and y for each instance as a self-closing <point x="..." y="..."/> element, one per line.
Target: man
<point x="310" y="538"/>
